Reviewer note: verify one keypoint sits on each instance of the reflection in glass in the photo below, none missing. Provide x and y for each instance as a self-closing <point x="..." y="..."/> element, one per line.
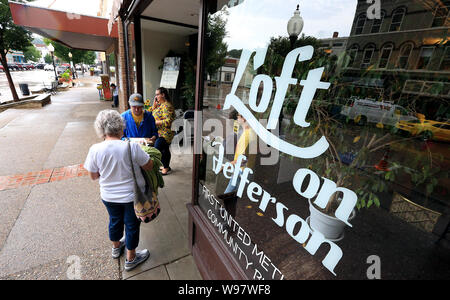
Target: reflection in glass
<point x="387" y="130"/>
<point x="403" y="58"/>
<point x="425" y="57"/>
<point x="397" y="19"/>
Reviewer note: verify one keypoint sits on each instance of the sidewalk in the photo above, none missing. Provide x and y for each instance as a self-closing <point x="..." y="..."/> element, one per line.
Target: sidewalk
<point x="52" y="219"/>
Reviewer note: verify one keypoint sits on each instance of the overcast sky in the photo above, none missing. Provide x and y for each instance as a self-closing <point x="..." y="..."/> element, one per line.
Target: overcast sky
<point x="82" y="7"/>
<point x="252" y="23"/>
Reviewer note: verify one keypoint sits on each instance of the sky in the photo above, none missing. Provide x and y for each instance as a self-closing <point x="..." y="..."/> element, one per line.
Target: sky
<point x="82" y="7"/>
<point x="252" y="23"/>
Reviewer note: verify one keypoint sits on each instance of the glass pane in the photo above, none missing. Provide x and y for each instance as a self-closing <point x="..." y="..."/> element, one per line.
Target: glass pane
<point x="299" y="133"/>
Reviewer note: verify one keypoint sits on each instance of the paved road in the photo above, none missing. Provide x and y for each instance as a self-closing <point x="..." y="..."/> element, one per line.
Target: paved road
<point x="52" y="222"/>
<point x="36" y="79"/>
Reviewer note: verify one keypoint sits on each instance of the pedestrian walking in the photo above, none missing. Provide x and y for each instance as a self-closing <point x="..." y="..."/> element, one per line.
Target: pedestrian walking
<point x="139" y="123"/>
<point x="107" y="162"/>
<point x="164" y="114"/>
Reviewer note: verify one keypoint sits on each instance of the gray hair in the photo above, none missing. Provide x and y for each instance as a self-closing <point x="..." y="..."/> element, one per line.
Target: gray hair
<point x="109" y="122"/>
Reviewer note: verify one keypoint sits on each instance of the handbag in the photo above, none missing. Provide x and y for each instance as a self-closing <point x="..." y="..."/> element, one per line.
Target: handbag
<point x="146" y="205"/>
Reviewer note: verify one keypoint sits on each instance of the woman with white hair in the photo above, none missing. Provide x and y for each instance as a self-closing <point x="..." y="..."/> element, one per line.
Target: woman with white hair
<point x="109" y="162"/>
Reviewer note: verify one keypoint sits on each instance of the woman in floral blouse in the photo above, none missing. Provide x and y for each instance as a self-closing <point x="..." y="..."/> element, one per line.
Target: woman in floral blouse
<point x="164" y="114"/>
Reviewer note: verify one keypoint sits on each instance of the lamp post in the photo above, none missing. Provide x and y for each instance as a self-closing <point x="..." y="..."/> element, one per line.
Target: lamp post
<point x="52" y="49"/>
<point x="295" y="26"/>
<point x="71" y="65"/>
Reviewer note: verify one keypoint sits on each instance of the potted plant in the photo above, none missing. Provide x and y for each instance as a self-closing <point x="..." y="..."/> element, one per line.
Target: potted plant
<point x="357" y="159"/>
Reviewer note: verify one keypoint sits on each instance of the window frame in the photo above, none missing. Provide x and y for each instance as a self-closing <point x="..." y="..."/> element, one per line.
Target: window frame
<point x="447" y="5"/>
<point x="394" y="13"/>
<point x="354" y="49"/>
<point x="367" y="48"/>
<point x="402" y="48"/>
<point x="382" y="16"/>
<point x="387" y="46"/>
<point x="446" y="53"/>
<point x="420" y="56"/>
<point x="361" y="16"/>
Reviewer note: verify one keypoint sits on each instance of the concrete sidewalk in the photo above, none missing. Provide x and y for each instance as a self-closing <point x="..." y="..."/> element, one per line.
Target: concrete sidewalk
<point x="53" y="222"/>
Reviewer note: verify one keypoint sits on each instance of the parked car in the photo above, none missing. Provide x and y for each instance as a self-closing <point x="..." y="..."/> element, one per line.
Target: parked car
<point x="1" y="68"/>
<point x="21" y="66"/>
<point x="48" y="67"/>
<point x="427" y="129"/>
<point x="26" y="66"/>
<point x="371" y="111"/>
<point x="13" y="67"/>
<point x="40" y="66"/>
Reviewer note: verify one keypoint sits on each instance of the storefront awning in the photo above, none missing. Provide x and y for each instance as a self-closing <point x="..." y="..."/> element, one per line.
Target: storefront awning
<point x="73" y="30"/>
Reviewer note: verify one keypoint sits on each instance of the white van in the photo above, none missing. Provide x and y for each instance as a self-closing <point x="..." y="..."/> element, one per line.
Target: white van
<point x="371" y="111"/>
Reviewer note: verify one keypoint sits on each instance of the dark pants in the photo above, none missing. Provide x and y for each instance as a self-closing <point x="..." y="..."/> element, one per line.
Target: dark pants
<point x="116" y="101"/>
<point x="163" y="147"/>
<point x="121" y="214"/>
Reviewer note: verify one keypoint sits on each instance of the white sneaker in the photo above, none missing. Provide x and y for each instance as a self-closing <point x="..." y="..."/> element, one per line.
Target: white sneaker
<point x="141" y="256"/>
<point x="116" y="252"/>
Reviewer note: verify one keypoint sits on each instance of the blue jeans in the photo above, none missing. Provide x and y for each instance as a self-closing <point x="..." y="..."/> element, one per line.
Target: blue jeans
<point x="164" y="147"/>
<point x="121" y="214"/>
<point x="231" y="188"/>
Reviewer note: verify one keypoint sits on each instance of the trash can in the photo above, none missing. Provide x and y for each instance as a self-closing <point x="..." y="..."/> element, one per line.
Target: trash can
<point x="24" y="89"/>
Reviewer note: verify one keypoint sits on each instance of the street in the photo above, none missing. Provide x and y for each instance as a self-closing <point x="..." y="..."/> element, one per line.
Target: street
<point x="53" y="224"/>
<point x="36" y="80"/>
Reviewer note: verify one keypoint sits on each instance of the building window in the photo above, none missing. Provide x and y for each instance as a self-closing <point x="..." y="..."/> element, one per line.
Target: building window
<point x="227" y="77"/>
<point x="361" y="21"/>
<point x="367" y="57"/>
<point x="376" y="26"/>
<point x="397" y="19"/>
<point x="403" y="58"/>
<point x="425" y="57"/>
<point x="441" y="15"/>
<point x="445" y="64"/>
<point x="385" y="55"/>
<point x="352" y="53"/>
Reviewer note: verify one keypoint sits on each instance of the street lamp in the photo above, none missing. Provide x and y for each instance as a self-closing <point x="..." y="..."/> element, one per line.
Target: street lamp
<point x="52" y="49"/>
<point x="295" y="26"/>
<point x="71" y="65"/>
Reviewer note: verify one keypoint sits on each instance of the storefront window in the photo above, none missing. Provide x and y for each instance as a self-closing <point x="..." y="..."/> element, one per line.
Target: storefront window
<point x="297" y="139"/>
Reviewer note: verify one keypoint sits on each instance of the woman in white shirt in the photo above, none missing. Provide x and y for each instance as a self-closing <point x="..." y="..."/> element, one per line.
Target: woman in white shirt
<point x="109" y="162"/>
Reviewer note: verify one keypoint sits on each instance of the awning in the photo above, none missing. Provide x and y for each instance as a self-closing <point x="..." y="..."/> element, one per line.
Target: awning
<point x="73" y="30"/>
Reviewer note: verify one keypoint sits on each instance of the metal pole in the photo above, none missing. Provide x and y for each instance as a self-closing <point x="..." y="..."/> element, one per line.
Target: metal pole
<point x="54" y="68"/>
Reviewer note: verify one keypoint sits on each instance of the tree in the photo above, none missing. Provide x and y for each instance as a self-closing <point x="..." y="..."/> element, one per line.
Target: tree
<point x="12" y="37"/>
<point x="48" y="59"/>
<point x="215" y="47"/>
<point x="78" y="56"/>
<point x="31" y="53"/>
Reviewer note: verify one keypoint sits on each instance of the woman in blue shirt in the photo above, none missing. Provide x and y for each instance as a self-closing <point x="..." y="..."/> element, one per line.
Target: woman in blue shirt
<point x="139" y="123"/>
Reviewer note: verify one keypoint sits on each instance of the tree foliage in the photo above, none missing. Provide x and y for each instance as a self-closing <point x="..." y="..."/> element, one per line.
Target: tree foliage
<point x="215" y="47"/>
<point x="78" y="56"/>
<point x="31" y="53"/>
<point x="12" y="37"/>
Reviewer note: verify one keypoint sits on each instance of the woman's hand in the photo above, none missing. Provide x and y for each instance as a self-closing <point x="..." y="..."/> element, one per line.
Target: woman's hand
<point x="148" y="166"/>
<point x="155" y="104"/>
<point x="94" y="176"/>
